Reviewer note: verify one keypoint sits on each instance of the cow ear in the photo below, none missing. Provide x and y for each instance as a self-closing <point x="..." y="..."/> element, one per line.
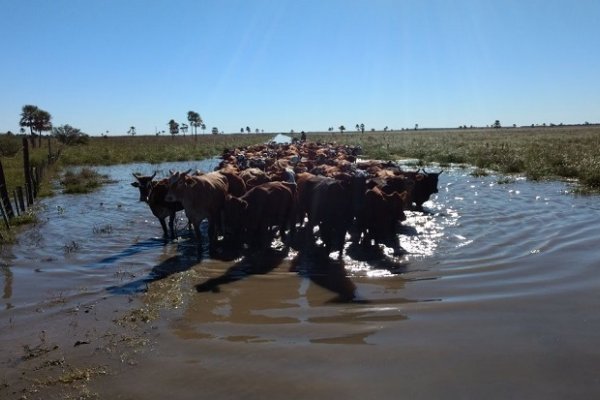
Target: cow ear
<point x="135" y="184"/>
<point x="190" y="182"/>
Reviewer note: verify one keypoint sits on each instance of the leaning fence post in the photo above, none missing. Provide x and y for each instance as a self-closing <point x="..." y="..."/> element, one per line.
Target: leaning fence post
<point x="4" y="194"/>
<point x="4" y="216"/>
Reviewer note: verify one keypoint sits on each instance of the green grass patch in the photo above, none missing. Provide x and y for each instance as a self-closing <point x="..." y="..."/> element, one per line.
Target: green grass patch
<point x="85" y="180"/>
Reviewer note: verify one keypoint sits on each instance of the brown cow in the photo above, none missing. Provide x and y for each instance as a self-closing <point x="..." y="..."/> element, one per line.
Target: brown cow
<point x="254" y="177"/>
<point x="202" y="197"/>
<point x="251" y="216"/>
<point x="237" y="186"/>
<point x="154" y="193"/>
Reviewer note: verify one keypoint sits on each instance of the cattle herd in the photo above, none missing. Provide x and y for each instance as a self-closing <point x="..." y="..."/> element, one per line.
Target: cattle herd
<point x="316" y="194"/>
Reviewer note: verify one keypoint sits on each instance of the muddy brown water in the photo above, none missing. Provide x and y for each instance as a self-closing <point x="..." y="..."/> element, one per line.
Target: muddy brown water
<point x="498" y="296"/>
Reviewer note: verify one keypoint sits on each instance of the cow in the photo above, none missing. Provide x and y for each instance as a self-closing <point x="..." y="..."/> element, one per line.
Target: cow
<point x="328" y="204"/>
<point x="154" y="193"/>
<point x="251" y="216"/>
<point x="237" y="186"/>
<point x="425" y="184"/>
<point x="379" y="217"/>
<point x="202" y="197"/>
<point x="254" y="177"/>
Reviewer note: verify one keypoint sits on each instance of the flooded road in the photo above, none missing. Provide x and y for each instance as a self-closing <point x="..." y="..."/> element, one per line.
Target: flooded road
<point x="497" y="296"/>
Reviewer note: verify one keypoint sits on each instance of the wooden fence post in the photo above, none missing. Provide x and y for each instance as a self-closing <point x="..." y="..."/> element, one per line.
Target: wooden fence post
<point x="27" y="171"/>
<point x="21" y="198"/>
<point x="16" y="203"/>
<point x="4" y="194"/>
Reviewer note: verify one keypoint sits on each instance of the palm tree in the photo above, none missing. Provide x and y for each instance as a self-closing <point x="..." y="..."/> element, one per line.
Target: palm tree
<point x="32" y="119"/>
<point x="131" y="131"/>
<point x="173" y="128"/>
<point x="195" y="120"/>
<point x="42" y="123"/>
<point x="342" y="128"/>
<point x="184" y="128"/>
<point x="362" y="128"/>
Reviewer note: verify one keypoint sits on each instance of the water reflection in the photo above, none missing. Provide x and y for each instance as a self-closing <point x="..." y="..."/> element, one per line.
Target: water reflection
<point x="8" y="282"/>
<point x="257" y="263"/>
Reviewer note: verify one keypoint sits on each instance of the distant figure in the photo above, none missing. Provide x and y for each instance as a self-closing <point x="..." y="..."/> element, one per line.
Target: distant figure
<point x="303" y="137"/>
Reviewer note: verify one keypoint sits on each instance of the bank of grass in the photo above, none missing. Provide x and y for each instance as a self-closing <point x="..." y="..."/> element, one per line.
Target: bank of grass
<point x="154" y="149"/>
<point x="571" y="152"/>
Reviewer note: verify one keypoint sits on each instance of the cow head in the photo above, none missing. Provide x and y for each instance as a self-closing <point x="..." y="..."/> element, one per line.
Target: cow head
<point x="144" y="184"/>
<point x="175" y="183"/>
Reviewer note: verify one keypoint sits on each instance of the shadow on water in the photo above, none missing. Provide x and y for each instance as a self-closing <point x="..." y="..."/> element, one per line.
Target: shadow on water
<point x="183" y="261"/>
<point x="134" y="249"/>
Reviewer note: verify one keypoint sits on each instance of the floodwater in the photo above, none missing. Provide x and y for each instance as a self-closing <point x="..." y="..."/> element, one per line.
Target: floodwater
<point x="498" y="296"/>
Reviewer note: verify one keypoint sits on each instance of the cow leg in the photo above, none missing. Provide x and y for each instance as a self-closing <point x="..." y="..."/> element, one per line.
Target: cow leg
<point x="198" y="237"/>
<point x="164" y="227"/>
<point x="171" y="225"/>
<point x="212" y="233"/>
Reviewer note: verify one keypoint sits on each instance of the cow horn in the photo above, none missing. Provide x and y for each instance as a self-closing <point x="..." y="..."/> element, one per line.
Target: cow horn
<point x="134" y="175"/>
<point x="186" y="172"/>
<point x="153" y="175"/>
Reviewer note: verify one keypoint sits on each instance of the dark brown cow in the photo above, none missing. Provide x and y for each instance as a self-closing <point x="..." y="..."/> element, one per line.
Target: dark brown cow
<point x="202" y="197"/>
<point x="154" y="193"/>
<point x="426" y="184"/>
<point x="328" y="204"/>
<point x="251" y="216"/>
<point x="379" y="218"/>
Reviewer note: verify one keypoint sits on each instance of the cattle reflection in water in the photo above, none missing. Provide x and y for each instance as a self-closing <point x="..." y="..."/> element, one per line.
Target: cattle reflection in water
<point x="323" y="271"/>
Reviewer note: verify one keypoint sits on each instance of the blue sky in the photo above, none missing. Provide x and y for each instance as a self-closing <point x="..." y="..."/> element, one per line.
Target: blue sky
<point x="278" y="65"/>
